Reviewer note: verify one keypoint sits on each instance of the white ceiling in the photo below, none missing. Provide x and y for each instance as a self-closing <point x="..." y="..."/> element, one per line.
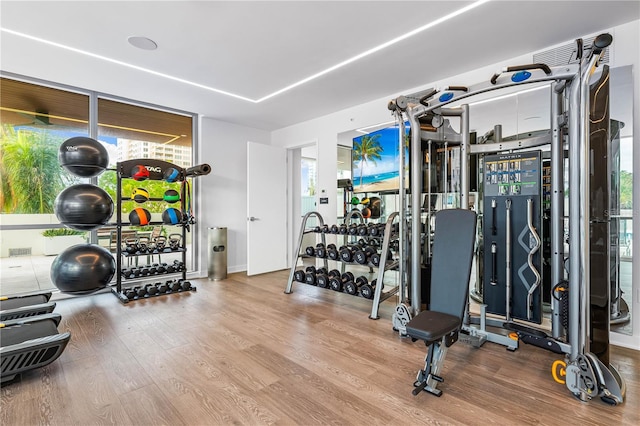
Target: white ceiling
<point x="255" y="48"/>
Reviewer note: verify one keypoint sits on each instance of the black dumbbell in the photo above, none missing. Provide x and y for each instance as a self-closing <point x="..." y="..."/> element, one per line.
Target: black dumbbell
<point x="352" y="287"/>
<point x="343" y="229"/>
<point x="332" y="252"/>
<point x="136" y="272"/>
<point x="311" y="272"/>
<point x="346" y="253"/>
<point x="325" y="229"/>
<point x="153" y="269"/>
<point x="362" y="255"/>
<point x="353" y="229"/>
<point x="368" y="290"/>
<point x="299" y="275"/>
<point x="178" y="265"/>
<point x="144" y="271"/>
<point x="317" y="229"/>
<point x="152" y="289"/>
<point x="321" y="251"/>
<point x="377" y="229"/>
<point x="322" y="280"/>
<point x="128" y="272"/>
<point x="171" y="268"/>
<point x="185" y="285"/>
<point x="334" y="229"/>
<point x="338" y="283"/>
<point x="163" y="287"/>
<point x="140" y="291"/>
<point x="162" y="268"/>
<point x="130" y="293"/>
<point x="363" y="230"/>
<point x="174" y="285"/>
<point x="310" y="251"/>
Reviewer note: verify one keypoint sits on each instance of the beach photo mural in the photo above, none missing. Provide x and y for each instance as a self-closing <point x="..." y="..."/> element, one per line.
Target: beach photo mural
<point x="376" y="161"/>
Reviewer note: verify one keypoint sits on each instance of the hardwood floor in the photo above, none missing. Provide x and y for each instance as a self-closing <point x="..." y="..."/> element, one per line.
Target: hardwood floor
<point x="240" y="351"/>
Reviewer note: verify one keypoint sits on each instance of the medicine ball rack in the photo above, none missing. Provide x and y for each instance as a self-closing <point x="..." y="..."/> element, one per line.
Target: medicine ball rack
<point x="385" y="264"/>
<point x="156" y="170"/>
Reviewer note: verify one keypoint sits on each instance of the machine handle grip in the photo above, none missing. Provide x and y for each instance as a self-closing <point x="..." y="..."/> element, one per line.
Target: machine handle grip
<point x="199" y="170"/>
<point x="543" y="67"/>
<point x="423" y="100"/>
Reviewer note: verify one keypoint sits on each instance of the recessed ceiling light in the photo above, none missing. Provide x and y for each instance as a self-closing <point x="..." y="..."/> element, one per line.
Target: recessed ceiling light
<point x="142" y="43"/>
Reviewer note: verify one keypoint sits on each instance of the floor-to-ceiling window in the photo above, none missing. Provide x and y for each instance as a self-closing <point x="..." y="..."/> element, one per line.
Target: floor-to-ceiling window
<point x="35" y="118"/>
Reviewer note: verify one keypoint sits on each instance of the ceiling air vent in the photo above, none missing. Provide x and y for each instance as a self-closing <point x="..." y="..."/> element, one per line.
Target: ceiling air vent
<point x="565" y="54"/>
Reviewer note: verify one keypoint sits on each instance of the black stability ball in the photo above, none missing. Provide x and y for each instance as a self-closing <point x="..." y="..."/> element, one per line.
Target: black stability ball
<point x="83" y="268"/>
<point x="83" y="207"/>
<point x="82" y="156"/>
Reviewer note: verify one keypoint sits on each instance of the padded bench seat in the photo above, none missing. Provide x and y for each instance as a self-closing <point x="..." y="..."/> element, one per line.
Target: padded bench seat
<point x="431" y="326"/>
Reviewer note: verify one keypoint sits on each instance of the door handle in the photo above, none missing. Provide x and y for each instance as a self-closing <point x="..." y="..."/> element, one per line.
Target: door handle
<point x="253" y="219"/>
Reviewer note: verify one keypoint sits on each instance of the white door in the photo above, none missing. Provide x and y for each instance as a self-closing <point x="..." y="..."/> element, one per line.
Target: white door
<point x="266" y="208"/>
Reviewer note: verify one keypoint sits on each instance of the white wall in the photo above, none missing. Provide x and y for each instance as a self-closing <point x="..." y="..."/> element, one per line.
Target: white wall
<point x="327" y="128"/>
<point x="223" y="193"/>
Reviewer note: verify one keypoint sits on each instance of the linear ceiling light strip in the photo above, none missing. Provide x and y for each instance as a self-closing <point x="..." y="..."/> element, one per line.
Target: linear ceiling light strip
<point x="277" y="92"/>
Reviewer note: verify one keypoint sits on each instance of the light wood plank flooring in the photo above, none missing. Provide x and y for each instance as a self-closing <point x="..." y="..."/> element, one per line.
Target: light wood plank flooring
<point x="240" y="351"/>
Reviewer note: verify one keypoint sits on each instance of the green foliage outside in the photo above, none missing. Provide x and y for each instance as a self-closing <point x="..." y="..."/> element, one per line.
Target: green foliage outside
<point x="626" y="190"/>
<point x="30" y="176"/>
<point x="61" y="232"/>
<point x="366" y="150"/>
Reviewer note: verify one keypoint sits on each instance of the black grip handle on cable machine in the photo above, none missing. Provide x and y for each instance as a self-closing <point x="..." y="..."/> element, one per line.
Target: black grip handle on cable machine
<point x="543" y="67"/>
<point x="423" y="100"/>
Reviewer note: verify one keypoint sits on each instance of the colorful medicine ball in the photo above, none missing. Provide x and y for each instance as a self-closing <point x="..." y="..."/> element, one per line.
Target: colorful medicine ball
<point x="140" y="195"/>
<point x="171" y="216"/>
<point x="139" y="172"/>
<point x="171" y="196"/>
<point x="139" y="216"/>
<point x="171" y="175"/>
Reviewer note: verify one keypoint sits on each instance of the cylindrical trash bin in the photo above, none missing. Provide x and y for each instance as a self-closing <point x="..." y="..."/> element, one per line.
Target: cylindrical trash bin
<point x="217" y="253"/>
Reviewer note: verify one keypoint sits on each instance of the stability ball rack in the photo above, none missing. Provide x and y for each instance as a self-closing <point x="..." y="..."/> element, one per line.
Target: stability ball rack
<point x="587" y="375"/>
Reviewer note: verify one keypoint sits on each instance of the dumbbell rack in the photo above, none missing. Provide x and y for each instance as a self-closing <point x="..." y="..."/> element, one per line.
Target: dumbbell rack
<point x="156" y="169"/>
<point x="384" y="265"/>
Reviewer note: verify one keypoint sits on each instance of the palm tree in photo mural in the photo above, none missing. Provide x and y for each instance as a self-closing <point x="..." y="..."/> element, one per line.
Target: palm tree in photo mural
<point x="367" y="149"/>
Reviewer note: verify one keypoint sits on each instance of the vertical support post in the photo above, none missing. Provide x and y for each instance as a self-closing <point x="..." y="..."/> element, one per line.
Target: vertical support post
<point x="465" y="148"/>
<point x="557" y="205"/>
<point x="416" y="222"/>
<point x="402" y="227"/>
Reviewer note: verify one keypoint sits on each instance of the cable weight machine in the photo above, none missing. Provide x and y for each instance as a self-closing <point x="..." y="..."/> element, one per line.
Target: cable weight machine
<point x="580" y="318"/>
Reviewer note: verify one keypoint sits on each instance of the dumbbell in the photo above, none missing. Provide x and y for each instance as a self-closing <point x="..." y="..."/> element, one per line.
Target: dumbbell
<point x="343" y="229"/>
<point x="144" y="271"/>
<point x="299" y="276"/>
<point x="140" y="291"/>
<point x="346" y="253"/>
<point x="310" y="275"/>
<point x="338" y="283"/>
<point x="352" y="287"/>
<point x="317" y="229"/>
<point x="318" y="251"/>
<point x="162" y="268"/>
<point x="185" y="285"/>
<point x="171" y="268"/>
<point x="363" y="230"/>
<point x="332" y="252"/>
<point x="178" y="265"/>
<point x="334" y="229"/>
<point x="153" y="269"/>
<point x="322" y="280"/>
<point x="130" y="293"/>
<point x="163" y="287"/>
<point x="375" y="258"/>
<point x="368" y="290"/>
<point x="136" y="272"/>
<point x="128" y="272"/>
<point x="152" y="289"/>
<point x="325" y="229"/>
<point x="353" y="229"/>
<point x="377" y="229"/>
<point x="174" y="285"/>
<point x="362" y="255"/>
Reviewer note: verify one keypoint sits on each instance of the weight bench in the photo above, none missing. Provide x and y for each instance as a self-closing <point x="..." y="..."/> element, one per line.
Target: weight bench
<point x="454" y="240"/>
